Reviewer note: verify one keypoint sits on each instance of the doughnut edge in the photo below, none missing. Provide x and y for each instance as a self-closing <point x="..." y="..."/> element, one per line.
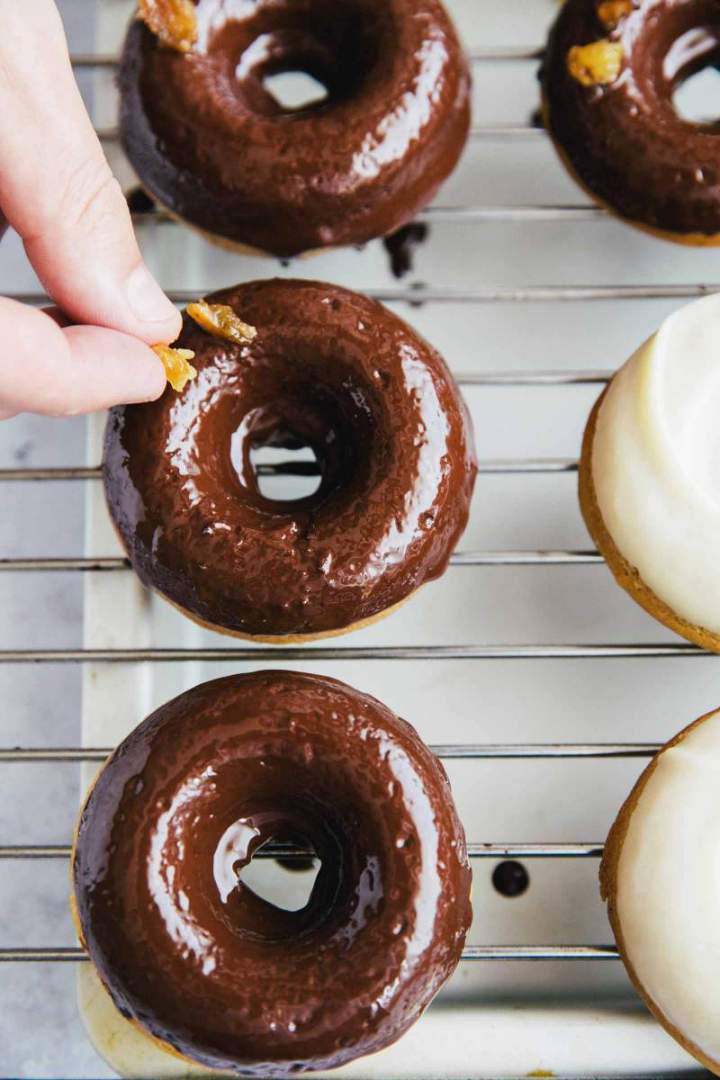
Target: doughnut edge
<point x="218" y="241"/>
<point x="96" y="1017"/>
<point x="624" y="573"/>
<point x="75" y="918"/>
<point x="268" y="639"/>
<point x="685" y="239"/>
<point x="608" y="875"/>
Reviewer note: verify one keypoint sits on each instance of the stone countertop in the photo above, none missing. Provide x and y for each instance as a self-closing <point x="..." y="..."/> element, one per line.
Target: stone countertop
<point x="40" y="706"/>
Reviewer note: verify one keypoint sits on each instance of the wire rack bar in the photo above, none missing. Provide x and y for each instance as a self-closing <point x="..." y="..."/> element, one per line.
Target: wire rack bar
<point x="477" y="56"/>
<point x="425" y="294"/>
<point x="535" y="378"/>
<point x="507" y="131"/>
<point x="531" y="294"/>
<point x="45" y="956"/>
<point x="290" y="851"/>
<point x="84" y="60"/>
<point x="535" y="851"/>
<point x="483" y="378"/>
<point x="460" y="558"/>
<point x="472" y="952"/>
<point x="505" y="214"/>
<point x="74" y="472"/>
<point x="62" y="565"/>
<point x="509" y="53"/>
<point x="540" y="952"/>
<point x="35" y="851"/>
<point x="454" y="214"/>
<point x="525" y="558"/>
<point x="465" y="751"/>
<point x="505" y="466"/>
<point x="338" y="654"/>
<point x="535" y="751"/>
<point x="111" y="134"/>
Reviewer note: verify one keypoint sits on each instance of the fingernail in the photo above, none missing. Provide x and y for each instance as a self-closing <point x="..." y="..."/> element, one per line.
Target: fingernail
<point x="147" y="300"/>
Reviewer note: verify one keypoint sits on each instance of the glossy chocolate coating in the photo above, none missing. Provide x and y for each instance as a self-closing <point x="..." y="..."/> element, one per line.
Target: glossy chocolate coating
<point x="199" y="959"/>
<point x="215" y="147"/>
<point x="401" y="245"/>
<point x="328" y="368"/>
<point x="625" y="141"/>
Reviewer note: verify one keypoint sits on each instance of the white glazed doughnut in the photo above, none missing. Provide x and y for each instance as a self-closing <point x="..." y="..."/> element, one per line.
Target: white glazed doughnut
<point x="661" y="878"/>
<point x="650" y="473"/>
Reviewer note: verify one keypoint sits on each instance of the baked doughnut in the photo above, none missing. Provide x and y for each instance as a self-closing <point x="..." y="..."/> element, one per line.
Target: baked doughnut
<point x="213" y="146"/>
<point x="329" y="369"/>
<point x="659" y="877"/>
<point x="204" y="964"/>
<point x="608" y="78"/>
<point x="649" y="481"/>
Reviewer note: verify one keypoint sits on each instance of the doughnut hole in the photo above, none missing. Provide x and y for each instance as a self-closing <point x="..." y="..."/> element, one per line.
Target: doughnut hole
<point x="292" y="58"/>
<point x="297" y="451"/>
<point x="285" y="881"/>
<point x="295" y="90"/>
<point x="691" y="68"/>
<point x="289" y="472"/>
<point x="697" y="100"/>
<point x="259" y="900"/>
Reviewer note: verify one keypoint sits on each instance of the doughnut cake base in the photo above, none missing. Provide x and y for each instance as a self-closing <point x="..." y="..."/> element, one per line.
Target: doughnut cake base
<point x="625" y="574"/>
<point x="123" y="1046"/>
<point x="487" y="1035"/>
<point x="291" y="639"/>
<point x="135" y="1056"/>
<point x="233" y="247"/>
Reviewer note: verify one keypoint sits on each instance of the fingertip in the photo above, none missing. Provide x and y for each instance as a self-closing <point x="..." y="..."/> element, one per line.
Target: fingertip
<point x="120" y="369"/>
<point x="157" y="319"/>
<point x="151" y="379"/>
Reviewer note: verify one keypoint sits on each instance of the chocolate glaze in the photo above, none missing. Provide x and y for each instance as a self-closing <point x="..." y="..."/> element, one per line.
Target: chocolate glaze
<point x="328" y="368"/>
<point x="401" y="245"/>
<point x="139" y="202"/>
<point x="213" y="145"/>
<point x="510" y="878"/>
<point x="625" y="141"/>
<point x="200" y="960"/>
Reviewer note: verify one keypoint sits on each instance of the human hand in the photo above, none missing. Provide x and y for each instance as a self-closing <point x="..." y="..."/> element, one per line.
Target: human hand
<point x="57" y="191"/>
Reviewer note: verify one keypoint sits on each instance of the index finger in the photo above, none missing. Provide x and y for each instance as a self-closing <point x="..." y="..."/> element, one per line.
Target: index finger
<point x="57" y="190"/>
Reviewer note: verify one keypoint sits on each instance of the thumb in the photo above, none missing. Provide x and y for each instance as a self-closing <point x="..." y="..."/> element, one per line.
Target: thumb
<point x="58" y="192"/>
<point x="55" y="370"/>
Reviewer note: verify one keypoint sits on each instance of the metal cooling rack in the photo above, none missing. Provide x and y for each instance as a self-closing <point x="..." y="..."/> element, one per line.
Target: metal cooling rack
<point x="16" y="756"/>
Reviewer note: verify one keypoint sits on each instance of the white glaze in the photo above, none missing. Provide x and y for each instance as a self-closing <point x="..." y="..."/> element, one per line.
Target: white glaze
<point x="668" y="887"/>
<point x="656" y="462"/>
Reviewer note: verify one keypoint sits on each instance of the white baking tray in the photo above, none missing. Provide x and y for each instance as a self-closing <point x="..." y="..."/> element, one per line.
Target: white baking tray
<point x="494" y="1019"/>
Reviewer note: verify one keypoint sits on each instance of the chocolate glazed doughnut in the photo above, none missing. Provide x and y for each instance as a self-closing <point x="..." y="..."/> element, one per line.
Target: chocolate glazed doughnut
<point x="329" y="369"/>
<point x="200" y="961"/>
<point x="608" y="78"/>
<point x="213" y="145"/>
